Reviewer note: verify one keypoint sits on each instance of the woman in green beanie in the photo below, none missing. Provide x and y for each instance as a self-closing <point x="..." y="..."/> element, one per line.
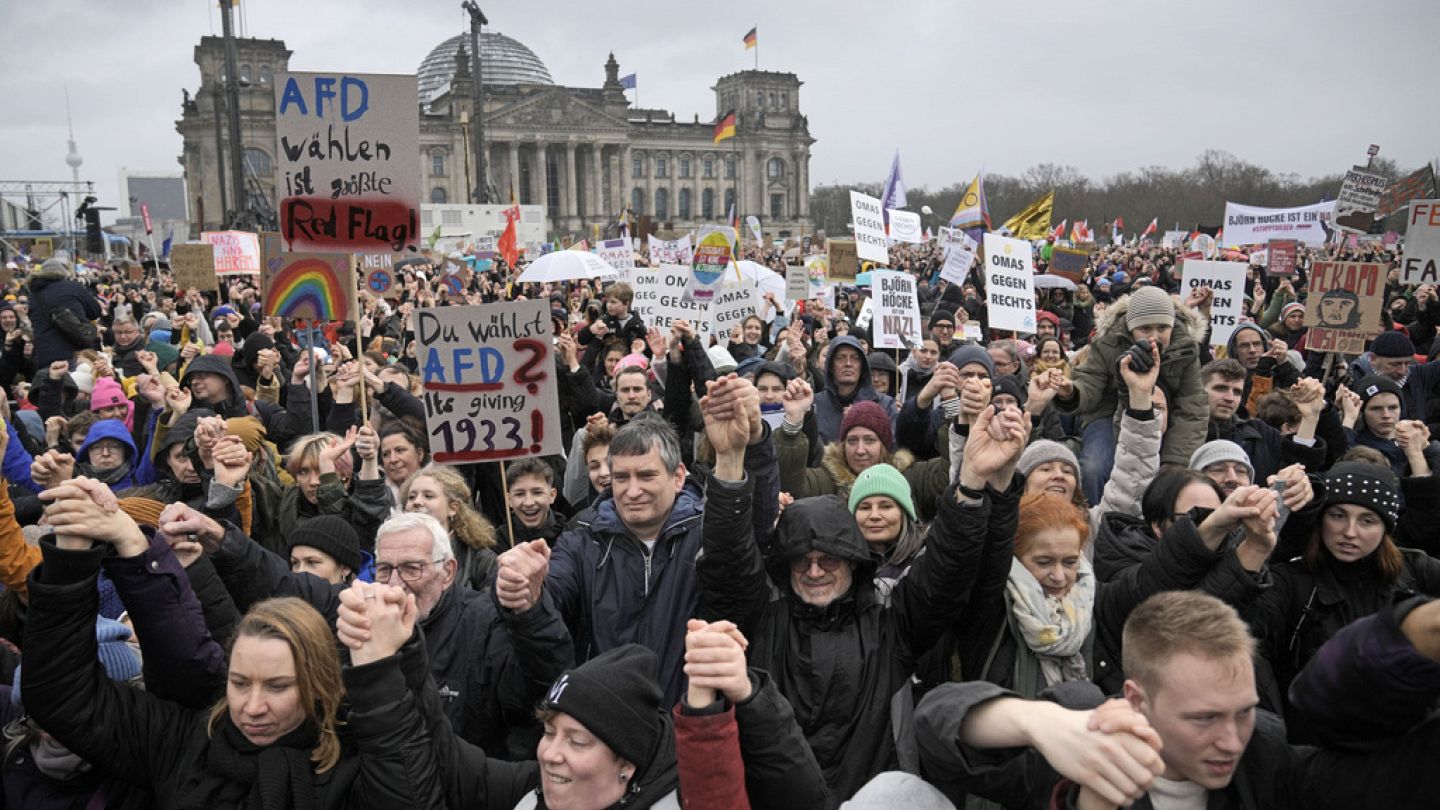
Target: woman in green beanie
<point x="885" y="512"/>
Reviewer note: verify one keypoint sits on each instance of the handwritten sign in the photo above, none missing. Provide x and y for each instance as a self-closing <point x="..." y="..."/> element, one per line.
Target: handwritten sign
<point x="843" y="264"/>
<point x="1069" y="263"/>
<point x="310" y="286"/>
<point x="378" y="273"/>
<point x="1009" y="283"/>
<point x="488" y="381"/>
<point x="348" y="168"/>
<point x="897" y="310"/>
<point x="670" y="251"/>
<point x="1227" y="281"/>
<point x="959" y="249"/>
<point x="797" y="282"/>
<point x="236" y="252"/>
<point x="1343" y="306"/>
<point x="193" y="266"/>
<point x="869" y="225"/>
<point x="1422" y="243"/>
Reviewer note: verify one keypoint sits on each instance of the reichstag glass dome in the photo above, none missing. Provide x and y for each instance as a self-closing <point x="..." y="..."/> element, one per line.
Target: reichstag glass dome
<point x="502" y="61"/>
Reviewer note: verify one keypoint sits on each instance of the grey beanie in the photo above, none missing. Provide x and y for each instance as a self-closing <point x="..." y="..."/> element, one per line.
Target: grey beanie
<point x="1043" y="452"/>
<point x="1218" y="451"/>
<point x="898" y="789"/>
<point x="973" y="353"/>
<point x="1150" y="305"/>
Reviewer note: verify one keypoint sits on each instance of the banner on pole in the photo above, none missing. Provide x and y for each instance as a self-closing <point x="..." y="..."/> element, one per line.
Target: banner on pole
<point x="1422" y="243"/>
<point x="897" y="310"/>
<point x="869" y="225"/>
<point x="1227" y="281"/>
<point x="310" y="286"/>
<point x="1009" y="283"/>
<point x="488" y="381"/>
<point x="1343" y="306"/>
<point x="1253" y="225"/>
<point x="236" y="252"/>
<point x="348" y="161"/>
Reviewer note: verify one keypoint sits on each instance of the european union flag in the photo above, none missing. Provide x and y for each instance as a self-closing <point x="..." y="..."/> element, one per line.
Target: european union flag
<point x="628" y="82"/>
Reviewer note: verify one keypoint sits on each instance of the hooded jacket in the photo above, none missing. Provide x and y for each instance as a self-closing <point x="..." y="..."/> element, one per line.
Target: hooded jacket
<point x="111" y="429"/>
<point x="1268" y="375"/>
<point x="280" y="428"/>
<point x="840" y="665"/>
<point x="830" y="405"/>
<point x="1099" y="387"/>
<point x="612" y="589"/>
<point x="49" y="295"/>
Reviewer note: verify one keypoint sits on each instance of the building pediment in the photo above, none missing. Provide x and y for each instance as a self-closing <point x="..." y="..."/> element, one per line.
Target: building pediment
<point x="556" y="109"/>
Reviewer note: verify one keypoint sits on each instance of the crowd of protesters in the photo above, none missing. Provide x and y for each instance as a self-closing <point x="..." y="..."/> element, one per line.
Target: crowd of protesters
<point x="1104" y="564"/>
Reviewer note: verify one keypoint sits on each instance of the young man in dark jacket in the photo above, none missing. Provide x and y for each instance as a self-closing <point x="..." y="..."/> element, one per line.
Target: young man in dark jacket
<point x="847" y="381"/>
<point x="61" y="311"/>
<point x="1191" y="694"/>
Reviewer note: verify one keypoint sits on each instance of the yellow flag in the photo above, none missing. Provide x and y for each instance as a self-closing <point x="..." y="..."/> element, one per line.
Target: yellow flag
<point x="1033" y="221"/>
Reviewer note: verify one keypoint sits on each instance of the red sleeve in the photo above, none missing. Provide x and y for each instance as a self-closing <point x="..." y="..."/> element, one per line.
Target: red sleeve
<point x="707" y="748"/>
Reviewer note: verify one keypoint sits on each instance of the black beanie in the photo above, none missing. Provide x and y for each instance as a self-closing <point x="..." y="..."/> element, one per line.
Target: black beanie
<point x="1364" y="484"/>
<point x="331" y="535"/>
<point x="941" y="314"/>
<point x="1375" y="385"/>
<point x="614" y="696"/>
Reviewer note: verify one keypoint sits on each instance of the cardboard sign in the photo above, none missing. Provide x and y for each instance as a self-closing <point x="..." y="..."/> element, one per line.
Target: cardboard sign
<point x="1253" y="225"/>
<point x="1227" y="281"/>
<point x="797" y="282"/>
<point x="1417" y="185"/>
<point x="194" y="266"/>
<point x="1358" y="200"/>
<point x="488" y="381"/>
<point x="905" y="227"/>
<point x="711" y="258"/>
<point x="617" y="253"/>
<point x="347" y="167"/>
<point x="1069" y="263"/>
<point x="1422" y="243"/>
<point x="959" y="250"/>
<point x="311" y="287"/>
<point x="1282" y="254"/>
<point x="869" y="225"/>
<point x="236" y="252"/>
<point x="136" y="271"/>
<point x="1342" y="307"/>
<point x="42" y="249"/>
<point x="897" y="310"/>
<point x="1009" y="283"/>
<point x="670" y="251"/>
<point x="844" y="264"/>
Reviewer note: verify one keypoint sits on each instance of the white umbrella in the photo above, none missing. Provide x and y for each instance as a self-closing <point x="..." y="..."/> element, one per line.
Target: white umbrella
<point x="1045" y="280"/>
<point x="767" y="279"/>
<point x="566" y="265"/>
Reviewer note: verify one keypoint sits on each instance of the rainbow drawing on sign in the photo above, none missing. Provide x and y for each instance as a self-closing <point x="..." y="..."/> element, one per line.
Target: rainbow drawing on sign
<point x="311" y="288"/>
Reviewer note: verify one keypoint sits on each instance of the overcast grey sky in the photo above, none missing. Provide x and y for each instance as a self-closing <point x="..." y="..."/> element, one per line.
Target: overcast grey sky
<point x="1108" y="86"/>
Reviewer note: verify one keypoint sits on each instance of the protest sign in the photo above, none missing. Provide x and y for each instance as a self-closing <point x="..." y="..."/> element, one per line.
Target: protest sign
<point x="617" y="253"/>
<point x="670" y="251"/>
<point x="1417" y="185"/>
<point x="1173" y="240"/>
<point x="1343" y="306"/>
<point x="236" y="252"/>
<point x="194" y="266"/>
<point x="659" y="299"/>
<point x="1422" y="243"/>
<point x="754" y="224"/>
<point x="734" y="301"/>
<point x="869" y="226"/>
<point x="377" y="270"/>
<point x="1069" y="263"/>
<point x="484" y="247"/>
<point x="1282" y="256"/>
<point x="844" y="264"/>
<point x="797" y="282"/>
<point x="1260" y="258"/>
<point x="1253" y="225"/>
<point x="959" y="250"/>
<point x="897" y="310"/>
<point x="866" y="315"/>
<point x="1358" y="200"/>
<point x="1227" y="281"/>
<point x="348" y="161"/>
<point x="905" y="227"/>
<point x="310" y="286"/>
<point x="488" y="381"/>
<point x="709" y="262"/>
<point x="1009" y="283"/>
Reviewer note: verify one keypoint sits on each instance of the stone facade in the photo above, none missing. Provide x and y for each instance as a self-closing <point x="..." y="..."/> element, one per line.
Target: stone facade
<point x="583" y="153"/>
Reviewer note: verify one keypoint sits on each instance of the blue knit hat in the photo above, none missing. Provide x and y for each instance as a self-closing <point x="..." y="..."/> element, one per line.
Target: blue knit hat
<point x="120" y="659"/>
<point x="882" y="479"/>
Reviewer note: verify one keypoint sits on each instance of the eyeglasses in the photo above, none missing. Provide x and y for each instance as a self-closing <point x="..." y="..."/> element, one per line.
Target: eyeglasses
<point x="409" y="571"/>
<point x="827" y="563"/>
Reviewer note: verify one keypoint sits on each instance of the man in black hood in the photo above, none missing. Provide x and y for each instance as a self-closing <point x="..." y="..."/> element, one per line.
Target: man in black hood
<point x="847" y="381"/>
<point x="213" y="384"/>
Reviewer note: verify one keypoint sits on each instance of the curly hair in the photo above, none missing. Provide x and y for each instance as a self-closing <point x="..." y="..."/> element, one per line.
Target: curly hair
<point x="466" y="525"/>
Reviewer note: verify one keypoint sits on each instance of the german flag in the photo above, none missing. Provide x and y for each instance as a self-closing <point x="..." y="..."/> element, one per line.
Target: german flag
<point x="750" y="40"/>
<point x="725" y="127"/>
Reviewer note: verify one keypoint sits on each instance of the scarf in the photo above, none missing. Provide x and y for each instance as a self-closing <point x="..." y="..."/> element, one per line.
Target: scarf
<point x="1054" y="628"/>
<point x="108" y="477"/>
<point x="238" y="773"/>
<point x="56" y="761"/>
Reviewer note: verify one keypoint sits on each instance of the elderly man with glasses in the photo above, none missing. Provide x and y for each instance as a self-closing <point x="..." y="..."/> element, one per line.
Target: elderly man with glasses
<point x="492" y="654"/>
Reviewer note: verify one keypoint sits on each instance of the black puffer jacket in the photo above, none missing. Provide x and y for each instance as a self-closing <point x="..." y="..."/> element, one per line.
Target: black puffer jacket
<point x="50" y="297"/>
<point x="160" y="746"/>
<point x="280" y="428"/>
<point x="840" y="665"/>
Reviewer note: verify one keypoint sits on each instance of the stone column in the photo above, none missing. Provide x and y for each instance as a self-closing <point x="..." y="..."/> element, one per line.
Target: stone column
<point x="514" y="170"/>
<point x="598" y="210"/>
<point x="803" y="170"/>
<point x="571" y="204"/>
<point x="541" y="175"/>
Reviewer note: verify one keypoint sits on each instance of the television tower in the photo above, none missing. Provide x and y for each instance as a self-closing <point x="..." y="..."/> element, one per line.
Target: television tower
<point x="72" y="159"/>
